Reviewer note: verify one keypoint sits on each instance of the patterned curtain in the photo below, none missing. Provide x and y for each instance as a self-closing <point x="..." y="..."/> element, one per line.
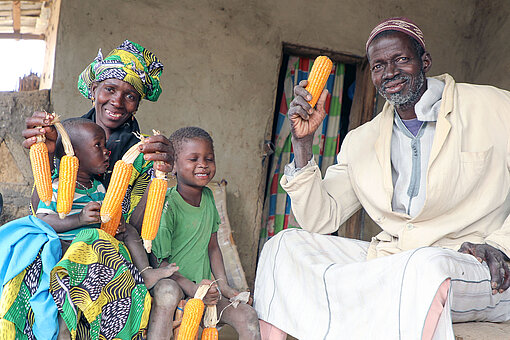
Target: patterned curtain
<point x="277" y="212"/>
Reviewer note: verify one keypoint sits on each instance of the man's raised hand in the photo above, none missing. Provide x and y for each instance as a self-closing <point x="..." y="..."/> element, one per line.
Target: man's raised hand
<point x="305" y="120"/>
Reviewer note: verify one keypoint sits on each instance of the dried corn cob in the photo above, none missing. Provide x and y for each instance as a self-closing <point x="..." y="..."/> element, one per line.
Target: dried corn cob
<point x="118" y="184"/>
<point x="113" y="224"/>
<point x="67" y="173"/>
<point x="41" y="170"/>
<point x="154" y="207"/>
<point x="210" y="321"/>
<point x="318" y="77"/>
<point x="192" y="315"/>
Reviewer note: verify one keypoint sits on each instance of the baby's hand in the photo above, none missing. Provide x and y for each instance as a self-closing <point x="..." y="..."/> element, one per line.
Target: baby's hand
<point x="213" y="295"/>
<point x="122" y="225"/>
<point x="90" y="213"/>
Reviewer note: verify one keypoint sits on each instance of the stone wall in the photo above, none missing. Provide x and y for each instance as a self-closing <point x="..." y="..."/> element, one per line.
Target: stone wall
<point x="15" y="172"/>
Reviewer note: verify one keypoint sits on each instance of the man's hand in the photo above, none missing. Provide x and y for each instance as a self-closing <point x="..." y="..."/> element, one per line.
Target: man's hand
<point x="158" y="148"/>
<point x="90" y="213"/>
<point x="42" y="119"/>
<point x="495" y="259"/>
<point x="304" y="119"/>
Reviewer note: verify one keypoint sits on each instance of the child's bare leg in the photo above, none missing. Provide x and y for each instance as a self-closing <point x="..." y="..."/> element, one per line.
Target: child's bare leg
<point x="166" y="295"/>
<point x="134" y="243"/>
<point x="243" y="319"/>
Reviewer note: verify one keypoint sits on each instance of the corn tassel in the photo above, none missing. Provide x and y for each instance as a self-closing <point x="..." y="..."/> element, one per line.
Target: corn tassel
<point x="210" y="321"/>
<point x="41" y="169"/>
<point x="154" y="207"/>
<point x="67" y="173"/>
<point x="113" y="224"/>
<point x="318" y="77"/>
<point x="118" y="184"/>
<point x="193" y="312"/>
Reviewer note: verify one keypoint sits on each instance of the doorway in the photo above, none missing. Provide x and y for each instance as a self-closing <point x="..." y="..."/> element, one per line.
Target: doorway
<point x="350" y="103"/>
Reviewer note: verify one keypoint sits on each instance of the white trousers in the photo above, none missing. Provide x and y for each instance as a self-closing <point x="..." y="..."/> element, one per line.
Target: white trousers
<point x="315" y="286"/>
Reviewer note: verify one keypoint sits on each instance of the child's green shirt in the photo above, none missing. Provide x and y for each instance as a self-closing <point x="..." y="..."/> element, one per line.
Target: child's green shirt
<point x="184" y="234"/>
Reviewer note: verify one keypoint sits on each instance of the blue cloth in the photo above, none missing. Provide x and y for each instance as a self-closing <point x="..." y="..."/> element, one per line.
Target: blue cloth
<point x="20" y="242"/>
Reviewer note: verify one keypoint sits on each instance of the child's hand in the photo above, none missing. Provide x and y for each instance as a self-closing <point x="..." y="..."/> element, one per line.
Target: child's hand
<point x="213" y="295"/>
<point x="90" y="213"/>
<point x="228" y="291"/>
<point x="122" y="225"/>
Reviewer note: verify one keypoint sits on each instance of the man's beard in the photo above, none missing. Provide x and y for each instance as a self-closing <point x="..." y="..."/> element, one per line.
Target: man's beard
<point x="400" y="100"/>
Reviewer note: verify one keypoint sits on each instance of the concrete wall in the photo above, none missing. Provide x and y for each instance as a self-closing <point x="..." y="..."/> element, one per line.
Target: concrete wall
<point x="222" y="59"/>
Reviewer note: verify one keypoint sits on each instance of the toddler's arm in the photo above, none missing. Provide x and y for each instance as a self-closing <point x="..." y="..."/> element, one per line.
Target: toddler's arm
<point x="89" y="215"/>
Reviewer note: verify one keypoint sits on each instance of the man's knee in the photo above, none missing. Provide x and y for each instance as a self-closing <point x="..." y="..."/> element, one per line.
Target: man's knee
<point x="167" y="292"/>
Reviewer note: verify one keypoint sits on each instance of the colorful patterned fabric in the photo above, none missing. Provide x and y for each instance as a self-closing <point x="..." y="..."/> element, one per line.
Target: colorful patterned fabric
<point x="97" y="289"/>
<point x="29" y="248"/>
<point x="400" y="24"/>
<point x="129" y="62"/>
<point x="277" y="210"/>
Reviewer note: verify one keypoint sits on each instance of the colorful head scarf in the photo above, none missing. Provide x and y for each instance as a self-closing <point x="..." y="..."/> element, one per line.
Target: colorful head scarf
<point x="129" y="62"/>
<point x="400" y="24"/>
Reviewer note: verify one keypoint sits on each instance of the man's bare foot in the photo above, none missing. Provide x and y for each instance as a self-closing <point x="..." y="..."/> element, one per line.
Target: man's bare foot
<point x="152" y="276"/>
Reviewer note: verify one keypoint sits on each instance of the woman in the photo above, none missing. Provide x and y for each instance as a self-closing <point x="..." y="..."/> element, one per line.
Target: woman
<point x="115" y="84"/>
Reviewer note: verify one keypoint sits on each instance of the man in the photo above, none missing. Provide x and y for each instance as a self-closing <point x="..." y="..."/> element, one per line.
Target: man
<point x="432" y="169"/>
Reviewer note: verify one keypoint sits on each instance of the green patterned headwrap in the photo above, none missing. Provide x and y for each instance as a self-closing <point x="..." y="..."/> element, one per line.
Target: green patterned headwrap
<point x="129" y="62"/>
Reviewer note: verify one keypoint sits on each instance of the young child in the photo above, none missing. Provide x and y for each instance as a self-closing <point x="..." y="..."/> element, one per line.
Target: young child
<point x="89" y="143"/>
<point x="188" y="230"/>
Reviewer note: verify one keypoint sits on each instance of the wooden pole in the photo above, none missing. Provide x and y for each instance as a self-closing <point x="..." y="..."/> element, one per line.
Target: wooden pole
<point x="16" y="16"/>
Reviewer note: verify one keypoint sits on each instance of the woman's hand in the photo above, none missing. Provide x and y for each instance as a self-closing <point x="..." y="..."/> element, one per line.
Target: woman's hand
<point x="42" y="119"/>
<point x="158" y="148"/>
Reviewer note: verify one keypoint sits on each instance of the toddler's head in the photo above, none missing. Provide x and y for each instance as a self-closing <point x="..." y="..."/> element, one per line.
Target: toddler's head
<point x="194" y="156"/>
<point x="89" y="144"/>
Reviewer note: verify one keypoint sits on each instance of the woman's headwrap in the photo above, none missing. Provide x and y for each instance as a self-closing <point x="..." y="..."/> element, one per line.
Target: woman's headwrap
<point x="400" y="24"/>
<point x="129" y="62"/>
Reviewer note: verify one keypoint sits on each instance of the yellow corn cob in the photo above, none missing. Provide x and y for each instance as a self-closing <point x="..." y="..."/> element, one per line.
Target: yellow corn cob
<point x="113" y="224"/>
<point x="41" y="170"/>
<point x="193" y="312"/>
<point x="154" y="207"/>
<point x="210" y="333"/>
<point x="67" y="173"/>
<point x="66" y="184"/>
<point x="318" y="77"/>
<point x="118" y="184"/>
<point x="210" y="320"/>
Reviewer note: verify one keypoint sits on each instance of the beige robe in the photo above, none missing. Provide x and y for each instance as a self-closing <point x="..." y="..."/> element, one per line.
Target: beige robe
<point x="468" y="178"/>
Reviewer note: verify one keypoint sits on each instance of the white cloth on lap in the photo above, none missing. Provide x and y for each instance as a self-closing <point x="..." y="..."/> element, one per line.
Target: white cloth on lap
<point x="321" y="287"/>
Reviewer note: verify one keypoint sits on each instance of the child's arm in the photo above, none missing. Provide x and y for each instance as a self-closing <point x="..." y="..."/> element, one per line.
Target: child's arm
<point x="189" y="287"/>
<point x="89" y="215"/>
<point x="218" y="267"/>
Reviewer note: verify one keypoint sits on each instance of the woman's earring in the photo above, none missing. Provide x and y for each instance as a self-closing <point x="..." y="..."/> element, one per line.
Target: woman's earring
<point x="133" y="115"/>
<point x="93" y="101"/>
